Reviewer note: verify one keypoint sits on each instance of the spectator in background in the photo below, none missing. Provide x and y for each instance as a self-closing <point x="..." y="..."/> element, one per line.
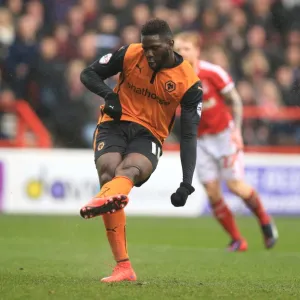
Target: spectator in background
<point x="121" y="9"/>
<point x="7" y="32"/>
<point x="260" y="12"/>
<point x="130" y="34"/>
<point x="79" y="110"/>
<point x="161" y="12"/>
<point x="218" y="56"/>
<point x="255" y="66"/>
<point x="290" y="92"/>
<point x="35" y="9"/>
<point x="270" y="101"/>
<point x="87" y="47"/>
<point x="48" y="77"/>
<point x="107" y="37"/>
<point x="236" y="29"/>
<point x="7" y="29"/>
<point x="62" y="37"/>
<point x="7" y="120"/>
<point x="174" y="21"/>
<point x="90" y="11"/>
<point x="58" y="9"/>
<point x="22" y="56"/>
<point x="257" y="39"/>
<point x="223" y="9"/>
<point x="15" y="7"/>
<point x="293" y="59"/>
<point x="189" y="15"/>
<point x="212" y="33"/>
<point x="76" y="25"/>
<point x="140" y="13"/>
<point x="246" y="92"/>
<point x="293" y="36"/>
<point x="269" y="97"/>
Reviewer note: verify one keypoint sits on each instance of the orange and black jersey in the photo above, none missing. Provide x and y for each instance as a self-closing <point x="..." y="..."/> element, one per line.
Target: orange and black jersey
<point x="150" y="98"/>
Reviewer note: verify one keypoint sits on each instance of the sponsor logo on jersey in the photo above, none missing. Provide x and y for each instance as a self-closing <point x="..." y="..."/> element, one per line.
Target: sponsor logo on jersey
<point x="146" y="93"/>
<point x="105" y="59"/>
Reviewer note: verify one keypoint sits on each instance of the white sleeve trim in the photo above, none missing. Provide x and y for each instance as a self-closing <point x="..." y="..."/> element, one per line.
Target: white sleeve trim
<point x="227" y="88"/>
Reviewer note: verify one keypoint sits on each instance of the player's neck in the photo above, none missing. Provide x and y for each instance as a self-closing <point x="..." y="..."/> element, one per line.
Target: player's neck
<point x="170" y="62"/>
<point x="195" y="64"/>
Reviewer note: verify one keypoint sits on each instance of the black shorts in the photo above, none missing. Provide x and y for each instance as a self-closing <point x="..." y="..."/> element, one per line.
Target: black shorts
<point x="126" y="137"/>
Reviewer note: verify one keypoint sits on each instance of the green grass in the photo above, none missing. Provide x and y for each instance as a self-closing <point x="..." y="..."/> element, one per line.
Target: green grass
<point x="64" y="258"/>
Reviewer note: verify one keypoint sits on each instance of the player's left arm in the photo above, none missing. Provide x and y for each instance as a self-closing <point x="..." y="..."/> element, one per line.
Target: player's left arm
<point x="225" y="86"/>
<point x="234" y="100"/>
<point x="190" y="117"/>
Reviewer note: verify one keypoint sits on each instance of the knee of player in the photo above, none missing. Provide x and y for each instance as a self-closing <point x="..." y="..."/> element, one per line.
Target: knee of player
<point x="105" y="177"/>
<point x="239" y="188"/>
<point x="232" y="186"/>
<point x="106" y="172"/>
<point x="132" y="172"/>
<point x="213" y="192"/>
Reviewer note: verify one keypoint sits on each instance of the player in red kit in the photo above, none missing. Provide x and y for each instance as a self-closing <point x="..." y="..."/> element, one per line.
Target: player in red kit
<point x="220" y="145"/>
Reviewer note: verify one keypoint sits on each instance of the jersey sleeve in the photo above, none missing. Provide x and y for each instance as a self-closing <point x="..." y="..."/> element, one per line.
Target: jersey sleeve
<point x="190" y="117"/>
<point x="221" y="80"/>
<point x="109" y="64"/>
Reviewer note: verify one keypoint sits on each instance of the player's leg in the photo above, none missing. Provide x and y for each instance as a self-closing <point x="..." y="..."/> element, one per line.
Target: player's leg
<point x="112" y="197"/>
<point x="115" y="224"/>
<point x="224" y="216"/>
<point x="140" y="160"/>
<point x="208" y="173"/>
<point x="251" y="198"/>
<point x="109" y="146"/>
<point x="134" y="168"/>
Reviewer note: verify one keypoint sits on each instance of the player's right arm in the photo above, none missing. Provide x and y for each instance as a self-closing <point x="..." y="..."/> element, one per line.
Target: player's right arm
<point x="94" y="75"/>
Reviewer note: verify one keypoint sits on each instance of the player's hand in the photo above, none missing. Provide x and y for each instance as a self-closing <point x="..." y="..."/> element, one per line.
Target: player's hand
<point x="113" y="106"/>
<point x="237" y="138"/>
<point x="180" y="196"/>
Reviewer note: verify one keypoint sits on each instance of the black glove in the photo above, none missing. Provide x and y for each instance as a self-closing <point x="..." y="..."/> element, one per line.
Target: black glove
<point x="113" y="106"/>
<point x="180" y="196"/>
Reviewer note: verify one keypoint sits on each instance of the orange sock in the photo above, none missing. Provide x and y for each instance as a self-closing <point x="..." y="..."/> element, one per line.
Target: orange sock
<point x="115" y="223"/>
<point x="118" y="185"/>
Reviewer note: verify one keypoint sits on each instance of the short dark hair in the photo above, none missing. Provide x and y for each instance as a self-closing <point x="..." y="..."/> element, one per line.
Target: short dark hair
<point x="157" y="26"/>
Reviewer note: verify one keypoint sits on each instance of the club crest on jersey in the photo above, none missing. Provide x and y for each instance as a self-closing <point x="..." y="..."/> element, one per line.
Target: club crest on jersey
<point x="105" y="59"/>
<point x="170" y="86"/>
<point x="100" y="146"/>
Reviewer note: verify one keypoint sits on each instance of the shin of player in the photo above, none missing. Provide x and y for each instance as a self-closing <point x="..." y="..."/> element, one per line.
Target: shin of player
<point x="220" y="145"/>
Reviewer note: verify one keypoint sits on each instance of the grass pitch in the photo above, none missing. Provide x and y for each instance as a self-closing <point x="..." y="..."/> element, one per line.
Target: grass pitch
<point x="64" y="258"/>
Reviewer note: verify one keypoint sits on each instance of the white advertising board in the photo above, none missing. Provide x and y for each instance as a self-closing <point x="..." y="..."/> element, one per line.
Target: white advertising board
<point x="61" y="181"/>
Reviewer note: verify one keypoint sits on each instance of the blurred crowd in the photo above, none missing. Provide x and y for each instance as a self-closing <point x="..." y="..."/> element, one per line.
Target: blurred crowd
<point x="44" y="45"/>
